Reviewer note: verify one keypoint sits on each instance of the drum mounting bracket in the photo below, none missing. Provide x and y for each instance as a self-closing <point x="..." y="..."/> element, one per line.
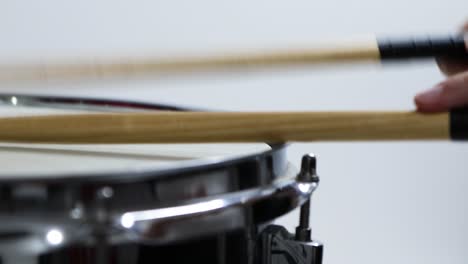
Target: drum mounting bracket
<point x="278" y="246"/>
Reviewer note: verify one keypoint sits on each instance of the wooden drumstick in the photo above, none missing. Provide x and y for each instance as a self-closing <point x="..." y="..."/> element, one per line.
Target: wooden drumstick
<point x="377" y="50"/>
<point x="195" y="127"/>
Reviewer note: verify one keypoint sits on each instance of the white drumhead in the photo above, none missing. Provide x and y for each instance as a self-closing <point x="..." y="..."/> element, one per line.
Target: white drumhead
<point x="52" y="160"/>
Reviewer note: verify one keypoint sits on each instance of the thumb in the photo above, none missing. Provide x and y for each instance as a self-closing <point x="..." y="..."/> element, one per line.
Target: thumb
<point x="452" y="92"/>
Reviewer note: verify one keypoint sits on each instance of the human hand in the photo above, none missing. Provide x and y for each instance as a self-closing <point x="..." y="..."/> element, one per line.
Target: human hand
<point x="450" y="93"/>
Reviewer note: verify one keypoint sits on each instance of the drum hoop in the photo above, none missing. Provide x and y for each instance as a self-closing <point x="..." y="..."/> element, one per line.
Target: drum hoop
<point x="279" y="197"/>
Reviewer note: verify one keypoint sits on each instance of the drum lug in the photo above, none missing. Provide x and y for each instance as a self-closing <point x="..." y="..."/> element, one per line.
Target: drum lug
<point x="102" y="219"/>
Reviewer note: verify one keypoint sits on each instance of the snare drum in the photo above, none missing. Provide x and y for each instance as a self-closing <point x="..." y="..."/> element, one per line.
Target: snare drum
<point x="148" y="203"/>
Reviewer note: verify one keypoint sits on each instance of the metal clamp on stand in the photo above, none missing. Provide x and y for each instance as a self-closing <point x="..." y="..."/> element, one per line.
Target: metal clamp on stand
<point x="278" y="246"/>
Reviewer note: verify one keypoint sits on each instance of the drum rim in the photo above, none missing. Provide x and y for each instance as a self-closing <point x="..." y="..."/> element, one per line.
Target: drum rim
<point x="131" y="174"/>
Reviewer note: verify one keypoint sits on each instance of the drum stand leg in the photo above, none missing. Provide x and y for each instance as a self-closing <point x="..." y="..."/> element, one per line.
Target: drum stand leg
<point x="278" y="246"/>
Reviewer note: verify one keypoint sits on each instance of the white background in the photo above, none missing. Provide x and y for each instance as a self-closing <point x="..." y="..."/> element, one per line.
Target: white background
<point x="378" y="202"/>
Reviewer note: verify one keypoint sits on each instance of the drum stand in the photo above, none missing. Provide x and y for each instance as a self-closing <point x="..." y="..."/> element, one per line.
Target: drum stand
<point x="278" y="246"/>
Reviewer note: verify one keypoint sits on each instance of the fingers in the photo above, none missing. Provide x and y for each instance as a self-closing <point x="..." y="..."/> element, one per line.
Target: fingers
<point x="453" y="66"/>
<point x="448" y="94"/>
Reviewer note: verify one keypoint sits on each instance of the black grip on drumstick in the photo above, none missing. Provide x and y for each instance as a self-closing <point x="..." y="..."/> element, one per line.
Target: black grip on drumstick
<point x="459" y="123"/>
<point x="453" y="46"/>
